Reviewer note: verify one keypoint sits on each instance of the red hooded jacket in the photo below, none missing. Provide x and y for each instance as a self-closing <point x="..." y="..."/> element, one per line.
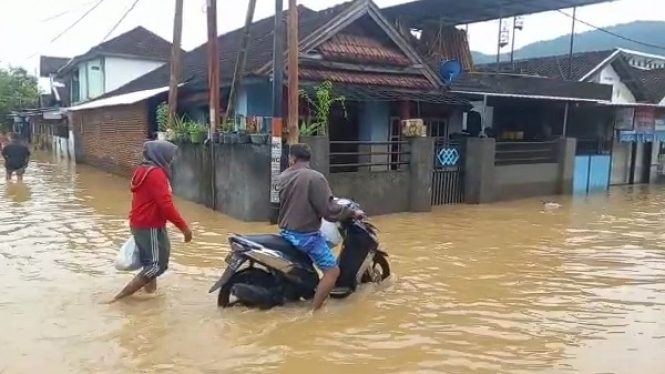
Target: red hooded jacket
<point x="152" y="201"/>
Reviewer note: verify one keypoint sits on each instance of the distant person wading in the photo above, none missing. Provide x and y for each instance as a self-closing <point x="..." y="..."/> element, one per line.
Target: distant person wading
<point x="17" y="157"/>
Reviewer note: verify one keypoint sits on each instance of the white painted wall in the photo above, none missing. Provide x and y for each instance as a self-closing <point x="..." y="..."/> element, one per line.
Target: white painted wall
<point x="120" y="71"/>
<point x="620" y="92"/>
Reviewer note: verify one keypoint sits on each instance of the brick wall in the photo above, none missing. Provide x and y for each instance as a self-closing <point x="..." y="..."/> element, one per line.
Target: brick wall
<point x="112" y="137"/>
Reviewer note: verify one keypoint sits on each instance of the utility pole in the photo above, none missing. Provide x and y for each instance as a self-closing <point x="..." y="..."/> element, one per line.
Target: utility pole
<point x="293" y="73"/>
<point x="277" y="111"/>
<point x="572" y="45"/>
<point x="498" y="46"/>
<point x="213" y="85"/>
<point x="241" y="60"/>
<point x="175" y="63"/>
<point x="213" y="66"/>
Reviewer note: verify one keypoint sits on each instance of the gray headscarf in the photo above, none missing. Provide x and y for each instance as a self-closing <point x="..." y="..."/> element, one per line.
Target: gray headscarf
<point x="159" y="153"/>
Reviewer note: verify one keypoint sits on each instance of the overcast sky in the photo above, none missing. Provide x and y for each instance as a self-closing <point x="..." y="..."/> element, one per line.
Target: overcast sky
<point x="25" y="30"/>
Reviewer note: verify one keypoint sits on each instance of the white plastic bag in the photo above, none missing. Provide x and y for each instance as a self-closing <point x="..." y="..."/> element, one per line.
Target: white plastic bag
<point x="330" y="232"/>
<point x="128" y="258"/>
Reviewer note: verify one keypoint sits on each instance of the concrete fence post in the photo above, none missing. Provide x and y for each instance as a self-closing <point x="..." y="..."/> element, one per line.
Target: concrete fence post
<point x="421" y="164"/>
<point x="566" y="159"/>
<point x="479" y="170"/>
<point x="320" y="146"/>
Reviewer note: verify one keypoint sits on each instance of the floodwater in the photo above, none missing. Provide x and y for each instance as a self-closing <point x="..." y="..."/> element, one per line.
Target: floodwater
<point x="503" y="288"/>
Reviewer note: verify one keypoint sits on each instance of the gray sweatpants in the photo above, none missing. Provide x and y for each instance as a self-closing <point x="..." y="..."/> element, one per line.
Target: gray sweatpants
<point x="154" y="249"/>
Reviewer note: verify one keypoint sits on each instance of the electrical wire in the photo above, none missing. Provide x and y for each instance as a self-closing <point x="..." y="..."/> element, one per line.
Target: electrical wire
<point x="120" y="20"/>
<point x="97" y="4"/>
<point x="613" y="33"/>
<point x="74" y="9"/>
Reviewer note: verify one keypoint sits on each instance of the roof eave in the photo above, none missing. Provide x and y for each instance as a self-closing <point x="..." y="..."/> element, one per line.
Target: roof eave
<point x="600" y="66"/>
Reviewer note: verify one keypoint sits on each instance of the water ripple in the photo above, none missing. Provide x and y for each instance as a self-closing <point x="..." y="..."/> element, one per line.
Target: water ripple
<point x="486" y="289"/>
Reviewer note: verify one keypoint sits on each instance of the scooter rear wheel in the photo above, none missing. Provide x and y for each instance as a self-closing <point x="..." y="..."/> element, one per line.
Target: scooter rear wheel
<point x="251" y="276"/>
<point x="380" y="261"/>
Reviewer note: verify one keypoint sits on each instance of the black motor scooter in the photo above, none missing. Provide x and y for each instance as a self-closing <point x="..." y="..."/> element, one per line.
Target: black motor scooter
<point x="265" y="271"/>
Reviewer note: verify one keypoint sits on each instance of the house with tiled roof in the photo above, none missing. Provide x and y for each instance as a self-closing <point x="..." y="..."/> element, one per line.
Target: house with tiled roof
<point x="638" y="93"/>
<point x="111" y="64"/>
<point x="351" y="45"/>
<point x="617" y="67"/>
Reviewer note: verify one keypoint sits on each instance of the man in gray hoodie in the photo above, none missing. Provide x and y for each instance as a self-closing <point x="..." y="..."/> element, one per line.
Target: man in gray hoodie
<point x="306" y="198"/>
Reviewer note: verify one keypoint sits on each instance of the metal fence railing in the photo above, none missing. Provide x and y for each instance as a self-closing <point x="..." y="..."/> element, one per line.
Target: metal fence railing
<point x="353" y="156"/>
<point x="592" y="147"/>
<point x="518" y="153"/>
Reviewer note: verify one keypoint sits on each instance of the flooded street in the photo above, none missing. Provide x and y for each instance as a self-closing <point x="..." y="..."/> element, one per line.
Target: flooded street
<point x="502" y="288"/>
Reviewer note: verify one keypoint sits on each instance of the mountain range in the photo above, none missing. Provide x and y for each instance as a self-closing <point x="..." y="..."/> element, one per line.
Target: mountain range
<point x="649" y="33"/>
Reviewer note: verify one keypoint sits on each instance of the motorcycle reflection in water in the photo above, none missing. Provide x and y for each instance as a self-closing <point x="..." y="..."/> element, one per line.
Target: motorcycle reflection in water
<point x="276" y="272"/>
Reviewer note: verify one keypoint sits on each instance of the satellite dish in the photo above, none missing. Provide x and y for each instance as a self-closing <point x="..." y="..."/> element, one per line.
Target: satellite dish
<point x="450" y="71"/>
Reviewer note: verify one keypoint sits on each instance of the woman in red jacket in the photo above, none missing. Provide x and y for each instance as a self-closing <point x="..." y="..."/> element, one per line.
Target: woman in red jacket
<point x="152" y="207"/>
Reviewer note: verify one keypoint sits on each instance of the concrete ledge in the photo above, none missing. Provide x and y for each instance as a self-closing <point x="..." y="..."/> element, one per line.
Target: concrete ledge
<point x="509" y="192"/>
<point x="378" y="192"/>
<point x="241" y="178"/>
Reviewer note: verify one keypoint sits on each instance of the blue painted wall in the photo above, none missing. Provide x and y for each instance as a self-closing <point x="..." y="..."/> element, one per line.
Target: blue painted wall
<point x="374" y="121"/>
<point x="255" y="99"/>
<point x="591" y="174"/>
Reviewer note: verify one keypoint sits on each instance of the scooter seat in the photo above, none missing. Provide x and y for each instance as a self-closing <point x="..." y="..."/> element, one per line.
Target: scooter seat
<point x="279" y="244"/>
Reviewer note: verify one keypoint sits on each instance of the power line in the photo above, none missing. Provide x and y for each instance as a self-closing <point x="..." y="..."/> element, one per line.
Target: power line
<point x="120" y="20"/>
<point x="97" y="4"/>
<point x="51" y="18"/>
<point x="613" y="33"/>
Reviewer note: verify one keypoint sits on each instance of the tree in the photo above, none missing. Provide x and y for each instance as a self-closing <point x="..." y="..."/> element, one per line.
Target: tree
<point x="18" y="90"/>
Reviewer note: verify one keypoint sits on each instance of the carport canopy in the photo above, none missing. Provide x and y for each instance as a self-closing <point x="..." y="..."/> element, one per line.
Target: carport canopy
<point x="460" y="12"/>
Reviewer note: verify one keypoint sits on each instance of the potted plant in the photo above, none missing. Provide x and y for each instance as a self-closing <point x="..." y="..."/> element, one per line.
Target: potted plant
<point x="197" y="132"/>
<point x="242" y="133"/>
<point x="253" y="130"/>
<point x="162" y="114"/>
<point x="181" y="130"/>
<point x="321" y="103"/>
<point x="228" y="136"/>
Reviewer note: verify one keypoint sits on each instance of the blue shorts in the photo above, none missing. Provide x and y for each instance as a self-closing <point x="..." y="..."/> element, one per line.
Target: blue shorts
<point x="315" y="245"/>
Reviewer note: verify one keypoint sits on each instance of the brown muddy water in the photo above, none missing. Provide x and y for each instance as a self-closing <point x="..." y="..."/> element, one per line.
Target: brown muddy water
<point x="503" y="288"/>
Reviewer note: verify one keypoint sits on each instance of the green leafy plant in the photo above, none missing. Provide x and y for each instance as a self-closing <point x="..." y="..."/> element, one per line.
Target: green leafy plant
<point x="197" y="131"/>
<point x="162" y="114"/>
<point x="196" y="128"/>
<point x="181" y="127"/>
<point x="321" y="103"/>
<point x="18" y="90"/>
<point x="229" y="124"/>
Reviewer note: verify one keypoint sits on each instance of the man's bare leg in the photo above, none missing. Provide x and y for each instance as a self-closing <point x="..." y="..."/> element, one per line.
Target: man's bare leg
<point x="151" y="287"/>
<point x="138" y="282"/>
<point x="8" y="176"/>
<point x="326" y="285"/>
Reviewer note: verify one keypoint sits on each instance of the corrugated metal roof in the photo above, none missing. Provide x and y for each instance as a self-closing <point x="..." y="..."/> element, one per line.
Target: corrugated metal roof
<point x="126" y="99"/>
<point x="455" y="12"/>
<point x="534" y="97"/>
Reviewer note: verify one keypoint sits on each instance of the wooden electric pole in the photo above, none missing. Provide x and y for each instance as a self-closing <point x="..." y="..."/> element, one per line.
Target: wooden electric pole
<point x="213" y="85"/>
<point x="175" y="63"/>
<point x="293" y="114"/>
<point x="213" y="66"/>
<point x="241" y="60"/>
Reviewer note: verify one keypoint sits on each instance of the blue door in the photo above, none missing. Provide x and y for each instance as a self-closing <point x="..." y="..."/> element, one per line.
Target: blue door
<point x="592" y="174"/>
